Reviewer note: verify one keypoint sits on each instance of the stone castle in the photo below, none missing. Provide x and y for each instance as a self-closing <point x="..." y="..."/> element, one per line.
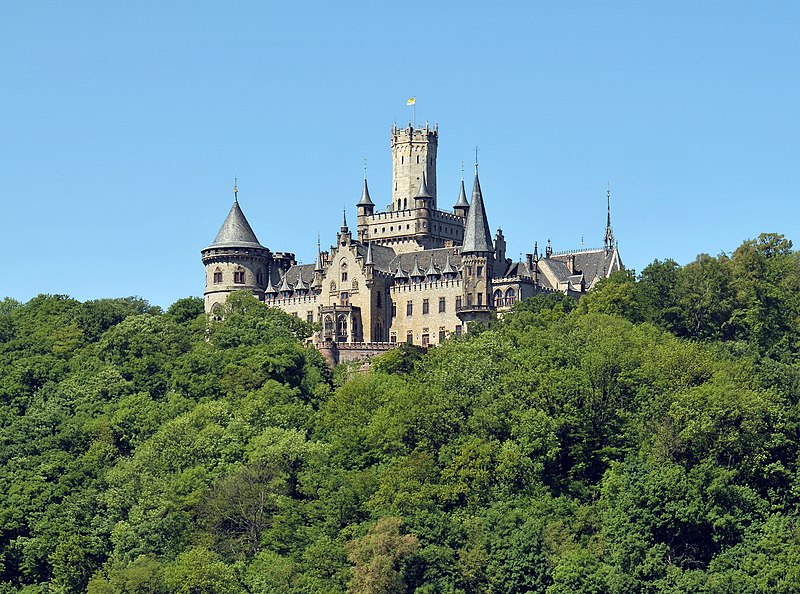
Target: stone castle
<point x="412" y="273"/>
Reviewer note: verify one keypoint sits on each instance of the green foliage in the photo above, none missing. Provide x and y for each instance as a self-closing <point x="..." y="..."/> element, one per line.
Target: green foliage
<point x="641" y="440"/>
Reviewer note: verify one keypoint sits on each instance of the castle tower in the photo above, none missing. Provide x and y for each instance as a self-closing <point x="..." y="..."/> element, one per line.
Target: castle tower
<point x="413" y="153"/>
<point x="235" y="261"/>
<point x="477" y="258"/>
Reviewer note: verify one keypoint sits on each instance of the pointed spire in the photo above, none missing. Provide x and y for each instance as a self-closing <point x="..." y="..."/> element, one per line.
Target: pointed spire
<point x="477" y="237"/>
<point x="235" y="190"/>
<point x="609" y="238"/>
<point x="365" y="199"/>
<point x="431" y="271"/>
<point x="535" y="251"/>
<point x="416" y="272"/>
<point x="300" y="284"/>
<point x="368" y="261"/>
<point x="462" y="198"/>
<point x="423" y="188"/>
<point x="318" y="264"/>
<point x="270" y="290"/>
<point x="400" y="274"/>
<point x="236" y="231"/>
<point x="448" y="268"/>
<point x="285" y="286"/>
<point x="344" y="220"/>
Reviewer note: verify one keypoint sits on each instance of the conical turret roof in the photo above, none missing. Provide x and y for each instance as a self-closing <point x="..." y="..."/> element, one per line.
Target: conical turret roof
<point x="431" y="271"/>
<point x="423" y="188"/>
<point x="416" y="271"/>
<point x="236" y="231"/>
<point x="270" y="290"/>
<point x="300" y="285"/>
<point x="400" y="272"/>
<point x="477" y="237"/>
<point x="368" y="261"/>
<point x="462" y="198"/>
<point x="365" y="199"/>
<point x="285" y="286"/>
<point x="448" y="268"/>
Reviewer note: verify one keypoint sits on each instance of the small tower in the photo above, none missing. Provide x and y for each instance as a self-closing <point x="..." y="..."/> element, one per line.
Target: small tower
<point x="413" y="154"/>
<point x="365" y="210"/>
<point x="608" y="242"/>
<point x="235" y="261"/>
<point x="477" y="258"/>
<point x="461" y="207"/>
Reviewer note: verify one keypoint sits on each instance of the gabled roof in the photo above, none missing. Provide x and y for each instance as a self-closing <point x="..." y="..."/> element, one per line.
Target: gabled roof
<point x="477" y="237"/>
<point x="236" y="231"/>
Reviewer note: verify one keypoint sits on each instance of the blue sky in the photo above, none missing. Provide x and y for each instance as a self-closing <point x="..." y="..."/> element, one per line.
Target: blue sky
<point x="124" y="124"/>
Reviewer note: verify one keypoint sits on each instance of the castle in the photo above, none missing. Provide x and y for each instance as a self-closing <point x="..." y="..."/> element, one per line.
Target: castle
<point x="412" y="273"/>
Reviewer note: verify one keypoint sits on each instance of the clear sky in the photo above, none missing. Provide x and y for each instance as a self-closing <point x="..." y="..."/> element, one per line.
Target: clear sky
<point x="123" y="124"/>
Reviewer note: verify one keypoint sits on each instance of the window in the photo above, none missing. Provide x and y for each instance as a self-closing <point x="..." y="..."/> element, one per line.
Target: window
<point x="393" y="337"/>
<point x="469" y="270"/>
<point x="498" y="298"/>
<point x="238" y="276"/>
<point x="310" y="317"/>
<point x="479" y="270"/>
<point x="442" y="334"/>
<point x="409" y="308"/>
<point x="344" y="298"/>
<point x="260" y="278"/>
<point x="217" y="276"/>
<point x="458" y="330"/>
<point x="480" y="299"/>
<point x="410" y="337"/>
<point x="344" y="275"/>
<point x="426" y="339"/>
<point x="354" y="285"/>
<point x="341" y="329"/>
<point x="394" y="309"/>
<point x="469" y="299"/>
<point x="424" y="307"/>
<point x="328" y="325"/>
<point x="441" y="304"/>
<point x="458" y="302"/>
<point x="417" y="159"/>
<point x="511" y="297"/>
<point x="378" y="301"/>
<point x="378" y="332"/>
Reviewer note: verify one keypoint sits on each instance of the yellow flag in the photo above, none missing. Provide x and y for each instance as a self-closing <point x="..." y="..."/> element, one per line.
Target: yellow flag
<point x="412" y="101"/>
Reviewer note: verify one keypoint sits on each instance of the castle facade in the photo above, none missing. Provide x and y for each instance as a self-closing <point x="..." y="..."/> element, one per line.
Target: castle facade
<point x="412" y="273"/>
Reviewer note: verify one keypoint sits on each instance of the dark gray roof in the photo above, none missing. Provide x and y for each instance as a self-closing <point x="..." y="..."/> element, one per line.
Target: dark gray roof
<point x="517" y="269"/>
<point x="591" y="263"/>
<point x="423" y="258"/>
<point x="423" y="188"/>
<point x="416" y="271"/>
<point x="462" y="197"/>
<point x="236" y="231"/>
<point x="365" y="199"/>
<point x="477" y="237"/>
<point x="304" y="272"/>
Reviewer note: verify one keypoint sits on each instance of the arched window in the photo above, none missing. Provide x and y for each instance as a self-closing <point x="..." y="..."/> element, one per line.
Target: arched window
<point x="511" y="297"/>
<point x="217" y="276"/>
<point x="354" y="285"/>
<point x="341" y="326"/>
<point x="328" y="326"/>
<point x="498" y="298"/>
<point x="343" y="267"/>
<point x="215" y="313"/>
<point x="238" y="276"/>
<point x="405" y="203"/>
<point x="333" y="286"/>
<point x="260" y="277"/>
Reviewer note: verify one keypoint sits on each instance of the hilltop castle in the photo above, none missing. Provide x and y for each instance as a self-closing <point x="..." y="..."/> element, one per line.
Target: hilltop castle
<point x="412" y="273"/>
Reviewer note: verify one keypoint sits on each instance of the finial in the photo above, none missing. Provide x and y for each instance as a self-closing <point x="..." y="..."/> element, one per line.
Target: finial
<point x="462" y="171"/>
<point x="476" y="160"/>
<point x="344" y="219"/>
<point x="365" y="168"/>
<point x="235" y="189"/>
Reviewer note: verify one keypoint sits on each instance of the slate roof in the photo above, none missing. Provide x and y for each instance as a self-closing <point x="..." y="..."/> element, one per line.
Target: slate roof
<point x="462" y="197"/>
<point x="236" y="231"/>
<point x="365" y="199"/>
<point x="299" y="271"/>
<point x="423" y="259"/>
<point x="477" y="237"/>
<point x="594" y="264"/>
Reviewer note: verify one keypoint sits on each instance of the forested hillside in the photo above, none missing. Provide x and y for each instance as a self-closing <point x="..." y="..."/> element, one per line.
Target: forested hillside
<point x="642" y="440"/>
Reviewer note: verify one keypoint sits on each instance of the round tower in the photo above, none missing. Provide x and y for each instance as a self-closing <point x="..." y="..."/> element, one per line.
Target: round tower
<point x="413" y="153"/>
<point x="235" y="261"/>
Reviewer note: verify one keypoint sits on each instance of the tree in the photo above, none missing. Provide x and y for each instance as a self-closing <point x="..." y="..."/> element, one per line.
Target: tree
<point x="376" y="558"/>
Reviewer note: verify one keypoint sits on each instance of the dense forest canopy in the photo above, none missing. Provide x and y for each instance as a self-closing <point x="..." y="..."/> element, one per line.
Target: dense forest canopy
<point x="642" y="440"/>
